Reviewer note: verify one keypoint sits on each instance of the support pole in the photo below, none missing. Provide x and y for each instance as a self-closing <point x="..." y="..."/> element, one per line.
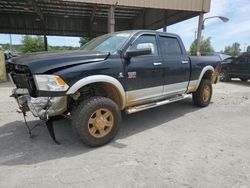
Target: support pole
<point x="144" y="19"/>
<point x="3" y="77"/>
<point x="165" y="21"/>
<point x="111" y="19"/>
<point x="198" y="41"/>
<point x="45" y="42"/>
<point x="10" y="43"/>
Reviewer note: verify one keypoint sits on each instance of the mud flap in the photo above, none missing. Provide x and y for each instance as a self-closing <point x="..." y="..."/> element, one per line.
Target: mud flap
<point x="50" y="127"/>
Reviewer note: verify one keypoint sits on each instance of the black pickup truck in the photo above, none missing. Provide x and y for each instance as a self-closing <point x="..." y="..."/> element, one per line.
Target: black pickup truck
<point x="124" y="71"/>
<point x="236" y="68"/>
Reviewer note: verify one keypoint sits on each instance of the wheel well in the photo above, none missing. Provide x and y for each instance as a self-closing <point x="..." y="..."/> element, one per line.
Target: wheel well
<point x="100" y="89"/>
<point x="208" y="75"/>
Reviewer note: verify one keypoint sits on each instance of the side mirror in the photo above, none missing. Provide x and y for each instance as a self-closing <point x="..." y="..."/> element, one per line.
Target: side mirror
<point x="138" y="52"/>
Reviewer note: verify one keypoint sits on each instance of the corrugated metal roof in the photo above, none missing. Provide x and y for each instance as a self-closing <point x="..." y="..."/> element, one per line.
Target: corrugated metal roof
<point x="90" y="17"/>
<point x="188" y="5"/>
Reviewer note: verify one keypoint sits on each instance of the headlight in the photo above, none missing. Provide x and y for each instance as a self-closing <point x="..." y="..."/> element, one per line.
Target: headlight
<point x="50" y="83"/>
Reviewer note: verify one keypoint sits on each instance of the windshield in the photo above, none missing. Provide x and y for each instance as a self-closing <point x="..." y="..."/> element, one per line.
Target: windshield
<point x="107" y="43"/>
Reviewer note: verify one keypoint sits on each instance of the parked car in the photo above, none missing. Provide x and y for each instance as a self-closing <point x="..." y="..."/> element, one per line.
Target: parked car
<point x="126" y="71"/>
<point x="228" y="60"/>
<point x="236" y="68"/>
<point x="219" y="54"/>
<point x="7" y="56"/>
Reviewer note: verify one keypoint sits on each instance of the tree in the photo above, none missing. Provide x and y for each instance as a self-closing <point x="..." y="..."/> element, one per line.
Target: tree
<point x="206" y="46"/>
<point x="233" y="50"/>
<point x="248" y="48"/>
<point x="62" y="48"/>
<point x="84" y="40"/>
<point x="32" y="44"/>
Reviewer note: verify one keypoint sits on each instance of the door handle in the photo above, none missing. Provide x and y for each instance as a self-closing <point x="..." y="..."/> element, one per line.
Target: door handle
<point x="184" y="62"/>
<point x="157" y="63"/>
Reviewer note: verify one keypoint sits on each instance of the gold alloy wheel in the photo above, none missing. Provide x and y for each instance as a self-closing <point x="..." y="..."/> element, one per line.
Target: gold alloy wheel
<point x="101" y="123"/>
<point x="206" y="93"/>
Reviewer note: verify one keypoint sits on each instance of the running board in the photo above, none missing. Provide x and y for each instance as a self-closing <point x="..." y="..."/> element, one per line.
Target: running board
<point x="139" y="108"/>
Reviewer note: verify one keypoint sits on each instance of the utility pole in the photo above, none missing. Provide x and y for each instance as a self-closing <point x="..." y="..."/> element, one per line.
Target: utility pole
<point x="201" y="27"/>
<point x="198" y="42"/>
<point x="245" y="47"/>
<point x="195" y="35"/>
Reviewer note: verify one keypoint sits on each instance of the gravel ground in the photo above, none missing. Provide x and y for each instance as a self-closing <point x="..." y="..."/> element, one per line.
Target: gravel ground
<point x="177" y="145"/>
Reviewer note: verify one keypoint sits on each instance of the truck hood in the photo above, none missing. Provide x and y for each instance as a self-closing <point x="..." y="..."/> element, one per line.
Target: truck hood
<point x="42" y="62"/>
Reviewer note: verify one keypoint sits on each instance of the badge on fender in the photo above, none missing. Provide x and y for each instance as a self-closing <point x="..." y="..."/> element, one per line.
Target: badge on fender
<point x="131" y="75"/>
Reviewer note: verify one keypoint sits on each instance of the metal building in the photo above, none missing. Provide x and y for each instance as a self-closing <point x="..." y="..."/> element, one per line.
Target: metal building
<point x="93" y="17"/>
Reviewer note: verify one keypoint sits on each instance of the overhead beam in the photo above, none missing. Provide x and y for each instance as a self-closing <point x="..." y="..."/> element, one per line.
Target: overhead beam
<point x="36" y="8"/>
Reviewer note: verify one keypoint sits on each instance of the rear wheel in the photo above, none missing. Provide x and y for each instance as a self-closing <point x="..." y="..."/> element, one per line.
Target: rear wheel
<point x="203" y="95"/>
<point x="96" y="121"/>
<point x="224" y="76"/>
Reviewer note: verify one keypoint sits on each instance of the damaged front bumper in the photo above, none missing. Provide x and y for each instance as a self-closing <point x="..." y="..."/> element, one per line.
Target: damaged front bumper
<point x="42" y="107"/>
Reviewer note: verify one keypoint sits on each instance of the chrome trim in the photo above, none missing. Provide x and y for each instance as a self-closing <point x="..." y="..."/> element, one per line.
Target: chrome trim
<point x="157" y="63"/>
<point x="98" y="78"/>
<point x="135" y="109"/>
<point x="44" y="107"/>
<point x="184" y="62"/>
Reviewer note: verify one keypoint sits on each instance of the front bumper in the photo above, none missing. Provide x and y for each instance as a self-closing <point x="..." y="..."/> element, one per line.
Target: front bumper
<point x="42" y="107"/>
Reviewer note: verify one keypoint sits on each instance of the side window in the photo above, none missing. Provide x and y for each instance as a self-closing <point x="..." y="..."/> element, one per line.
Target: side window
<point x="241" y="60"/>
<point x="145" y="41"/>
<point x="170" y="46"/>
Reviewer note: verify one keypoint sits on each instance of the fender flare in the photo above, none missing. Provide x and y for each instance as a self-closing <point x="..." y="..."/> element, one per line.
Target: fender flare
<point x="204" y="70"/>
<point x="98" y="78"/>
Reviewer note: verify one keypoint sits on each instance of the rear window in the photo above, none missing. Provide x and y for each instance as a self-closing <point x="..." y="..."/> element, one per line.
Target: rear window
<point x="170" y="46"/>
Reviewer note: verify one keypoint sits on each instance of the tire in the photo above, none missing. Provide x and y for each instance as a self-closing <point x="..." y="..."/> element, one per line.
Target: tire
<point x="90" y="123"/>
<point x="203" y="95"/>
<point x="224" y="77"/>
<point x="244" y="79"/>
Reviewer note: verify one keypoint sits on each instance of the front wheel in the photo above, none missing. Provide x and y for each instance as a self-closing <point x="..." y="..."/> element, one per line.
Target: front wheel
<point x="203" y="95"/>
<point x="96" y="121"/>
<point x="224" y="77"/>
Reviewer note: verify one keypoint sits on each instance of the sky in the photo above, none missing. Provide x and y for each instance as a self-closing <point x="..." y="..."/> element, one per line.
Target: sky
<point x="237" y="29"/>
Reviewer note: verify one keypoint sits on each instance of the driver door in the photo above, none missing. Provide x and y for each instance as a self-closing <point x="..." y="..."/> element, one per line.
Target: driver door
<point x="239" y="68"/>
<point x="144" y="74"/>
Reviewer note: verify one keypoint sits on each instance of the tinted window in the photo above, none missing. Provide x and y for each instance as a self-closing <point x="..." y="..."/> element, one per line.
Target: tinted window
<point x="107" y="43"/>
<point x="241" y="60"/>
<point x="170" y="46"/>
<point x="145" y="41"/>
